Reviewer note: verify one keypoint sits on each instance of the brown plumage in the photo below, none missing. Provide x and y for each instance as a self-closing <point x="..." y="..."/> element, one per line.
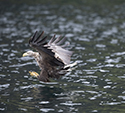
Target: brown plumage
<point x="51" y="57"/>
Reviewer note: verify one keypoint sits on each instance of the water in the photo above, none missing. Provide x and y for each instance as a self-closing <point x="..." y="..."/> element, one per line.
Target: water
<point x="97" y="36"/>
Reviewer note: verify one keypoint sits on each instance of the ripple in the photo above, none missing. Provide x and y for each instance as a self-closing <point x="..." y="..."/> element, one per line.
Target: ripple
<point x="27" y="99"/>
<point x="107" y="87"/>
<point x="23" y="109"/>
<point x="109" y="65"/>
<point x="21" y="65"/>
<point x="121" y="77"/>
<point x="92" y="60"/>
<point x="1" y="75"/>
<point x="115" y="60"/>
<point x="100" y="45"/>
<point x="69" y="35"/>
<point x="46" y="109"/>
<point x="110" y="31"/>
<point x="120" y="65"/>
<point x="4" y="45"/>
<point x="112" y="103"/>
<point x="83" y="39"/>
<point x="123" y="97"/>
<point x="70" y="103"/>
<point x="114" y="41"/>
<point x="4" y="86"/>
<point x="118" y="54"/>
<point x="26" y="58"/>
<point x="44" y="102"/>
<point x="80" y="48"/>
<point x="102" y="70"/>
<point x="30" y="86"/>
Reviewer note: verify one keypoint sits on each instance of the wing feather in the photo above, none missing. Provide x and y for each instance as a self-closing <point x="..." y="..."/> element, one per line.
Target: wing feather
<point x="57" y="39"/>
<point x="38" y="38"/>
<point x="33" y="38"/>
<point x="42" y="41"/>
<point x="51" y="52"/>
<point x="52" y="39"/>
<point x="60" y="53"/>
<point x="61" y="41"/>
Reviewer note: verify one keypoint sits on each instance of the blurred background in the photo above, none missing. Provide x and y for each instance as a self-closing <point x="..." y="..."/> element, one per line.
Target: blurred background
<point x="96" y="32"/>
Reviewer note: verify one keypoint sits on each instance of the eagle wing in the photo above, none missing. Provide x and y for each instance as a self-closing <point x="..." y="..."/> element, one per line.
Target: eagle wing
<point x="53" y="51"/>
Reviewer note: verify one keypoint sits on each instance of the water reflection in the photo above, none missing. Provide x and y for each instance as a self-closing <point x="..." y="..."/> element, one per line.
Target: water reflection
<point x="97" y="39"/>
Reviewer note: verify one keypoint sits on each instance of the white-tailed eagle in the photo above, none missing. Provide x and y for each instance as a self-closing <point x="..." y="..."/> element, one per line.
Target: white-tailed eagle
<point x="51" y="57"/>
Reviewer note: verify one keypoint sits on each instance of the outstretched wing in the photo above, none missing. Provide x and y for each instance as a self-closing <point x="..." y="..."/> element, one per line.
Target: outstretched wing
<point x="51" y="52"/>
<point x="55" y="44"/>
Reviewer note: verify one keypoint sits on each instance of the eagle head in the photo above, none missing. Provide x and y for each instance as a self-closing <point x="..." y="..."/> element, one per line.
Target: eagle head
<point x="28" y="53"/>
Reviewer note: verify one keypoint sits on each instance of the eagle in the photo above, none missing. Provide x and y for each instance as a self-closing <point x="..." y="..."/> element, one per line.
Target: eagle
<point x="52" y="57"/>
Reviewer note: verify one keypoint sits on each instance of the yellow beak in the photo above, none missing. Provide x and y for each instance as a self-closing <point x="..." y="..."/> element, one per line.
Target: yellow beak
<point x="25" y="54"/>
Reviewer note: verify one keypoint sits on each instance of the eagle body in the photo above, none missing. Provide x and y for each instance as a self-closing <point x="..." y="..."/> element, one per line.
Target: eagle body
<point x="51" y="56"/>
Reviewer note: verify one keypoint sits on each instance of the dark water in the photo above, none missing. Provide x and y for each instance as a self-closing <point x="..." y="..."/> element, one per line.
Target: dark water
<point x="97" y="37"/>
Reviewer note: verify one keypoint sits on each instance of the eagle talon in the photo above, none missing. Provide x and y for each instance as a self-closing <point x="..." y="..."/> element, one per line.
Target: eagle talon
<point x="33" y="73"/>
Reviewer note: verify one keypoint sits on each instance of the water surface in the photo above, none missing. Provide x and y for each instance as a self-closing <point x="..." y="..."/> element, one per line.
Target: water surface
<point x="97" y="37"/>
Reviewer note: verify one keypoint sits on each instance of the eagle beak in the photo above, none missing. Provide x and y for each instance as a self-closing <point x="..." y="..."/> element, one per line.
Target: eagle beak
<point x="25" y="54"/>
